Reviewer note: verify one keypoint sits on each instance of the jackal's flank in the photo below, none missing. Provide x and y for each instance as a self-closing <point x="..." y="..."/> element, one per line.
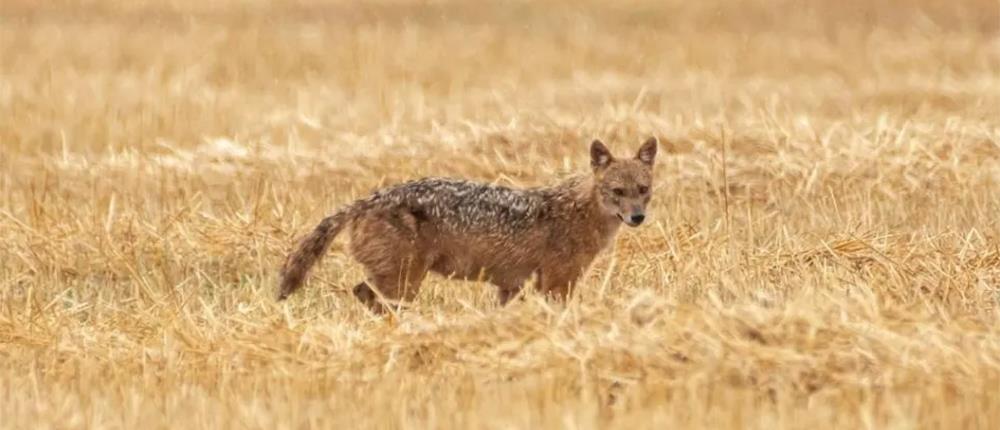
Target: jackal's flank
<point x="478" y="231"/>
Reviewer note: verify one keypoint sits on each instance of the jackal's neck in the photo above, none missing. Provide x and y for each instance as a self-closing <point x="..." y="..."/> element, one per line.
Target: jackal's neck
<point x="579" y="196"/>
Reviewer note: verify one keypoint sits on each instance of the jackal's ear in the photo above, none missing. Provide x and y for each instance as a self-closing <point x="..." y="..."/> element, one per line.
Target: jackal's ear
<point x="647" y="152"/>
<point x="600" y="156"/>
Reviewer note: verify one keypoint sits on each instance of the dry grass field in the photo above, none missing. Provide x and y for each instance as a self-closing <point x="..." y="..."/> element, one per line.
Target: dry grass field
<point x="824" y="249"/>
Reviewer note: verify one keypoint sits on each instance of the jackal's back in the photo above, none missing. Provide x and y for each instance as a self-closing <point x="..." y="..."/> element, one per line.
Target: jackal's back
<point x="465" y="206"/>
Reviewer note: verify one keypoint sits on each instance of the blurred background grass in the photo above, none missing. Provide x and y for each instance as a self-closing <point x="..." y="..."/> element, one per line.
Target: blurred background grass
<point x="159" y="157"/>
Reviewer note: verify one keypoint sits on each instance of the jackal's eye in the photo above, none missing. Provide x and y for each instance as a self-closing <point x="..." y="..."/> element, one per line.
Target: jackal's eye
<point x="643" y="189"/>
<point x="618" y="191"/>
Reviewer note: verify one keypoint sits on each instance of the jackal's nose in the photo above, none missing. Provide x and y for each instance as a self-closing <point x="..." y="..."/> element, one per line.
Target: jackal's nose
<point x="637" y="219"/>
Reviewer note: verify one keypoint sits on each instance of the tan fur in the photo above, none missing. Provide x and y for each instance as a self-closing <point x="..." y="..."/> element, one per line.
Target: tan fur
<point x="477" y="231"/>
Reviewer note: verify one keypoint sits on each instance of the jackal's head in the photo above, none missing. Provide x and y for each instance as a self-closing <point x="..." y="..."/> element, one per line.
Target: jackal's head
<point x="623" y="186"/>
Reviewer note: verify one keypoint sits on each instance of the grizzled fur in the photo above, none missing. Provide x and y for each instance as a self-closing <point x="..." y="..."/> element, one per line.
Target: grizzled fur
<point x="484" y="232"/>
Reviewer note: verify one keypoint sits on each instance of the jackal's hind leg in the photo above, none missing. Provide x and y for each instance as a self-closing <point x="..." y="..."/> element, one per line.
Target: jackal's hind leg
<point x="375" y="301"/>
<point x="394" y="262"/>
<point x="396" y="285"/>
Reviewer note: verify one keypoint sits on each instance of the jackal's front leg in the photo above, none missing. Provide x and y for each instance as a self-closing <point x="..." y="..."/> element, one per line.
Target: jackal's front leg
<point x="558" y="282"/>
<point x="507" y="291"/>
<point x="508" y="285"/>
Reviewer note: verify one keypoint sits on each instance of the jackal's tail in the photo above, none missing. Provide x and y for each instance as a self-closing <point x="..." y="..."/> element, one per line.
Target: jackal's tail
<point x="309" y="250"/>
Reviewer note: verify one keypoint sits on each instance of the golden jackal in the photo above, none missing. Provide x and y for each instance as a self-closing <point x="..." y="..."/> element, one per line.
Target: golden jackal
<point x="479" y="231"/>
